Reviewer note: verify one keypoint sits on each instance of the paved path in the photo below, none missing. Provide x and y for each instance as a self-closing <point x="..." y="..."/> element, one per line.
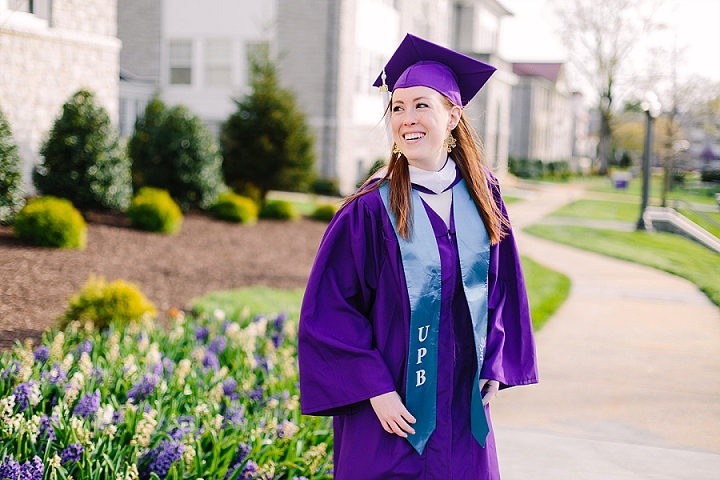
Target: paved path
<point x="629" y="372"/>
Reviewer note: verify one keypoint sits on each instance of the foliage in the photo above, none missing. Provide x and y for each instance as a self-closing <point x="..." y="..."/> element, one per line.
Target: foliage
<point x="51" y="222"/>
<point x="232" y="207"/>
<point x="325" y="186"/>
<point x="537" y="169"/>
<point x="82" y="159"/>
<point x="267" y="143"/>
<point x="709" y="175"/>
<point x="251" y="301"/>
<point x="11" y="184"/>
<point x="547" y="290"/>
<point x="374" y="168"/>
<point x="103" y="303"/>
<point x="210" y="398"/>
<point x="600" y="210"/>
<point x="279" y="210"/>
<point x="153" y="210"/>
<point x="173" y="150"/>
<point x="664" y="251"/>
<point x="324" y="213"/>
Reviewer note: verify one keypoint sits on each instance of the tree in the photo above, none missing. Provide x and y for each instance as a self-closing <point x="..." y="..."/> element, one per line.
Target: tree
<point x="11" y="188"/>
<point x="83" y="161"/>
<point x="266" y="143"/>
<point x="173" y="150"/>
<point x="600" y="36"/>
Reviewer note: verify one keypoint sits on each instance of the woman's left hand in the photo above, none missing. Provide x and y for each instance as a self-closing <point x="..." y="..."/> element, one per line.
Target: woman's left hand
<point x="492" y="389"/>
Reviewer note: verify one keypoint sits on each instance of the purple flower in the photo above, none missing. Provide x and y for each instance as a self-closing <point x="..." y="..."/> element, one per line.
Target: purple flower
<point x="225" y="325"/>
<point x="41" y="354"/>
<point x="47" y="429"/>
<point x="217" y="345"/>
<point x="56" y="376"/>
<point x="169" y="366"/>
<point x="84" y="347"/>
<point x="88" y="405"/>
<point x="30" y="470"/>
<point x="22" y="394"/>
<point x="240" y="455"/>
<point x="118" y="417"/>
<point x="144" y="388"/>
<point x="279" y="321"/>
<point x="158" y="369"/>
<point x="72" y="453"/>
<point x="177" y="433"/>
<point x="256" y="394"/>
<point x="249" y="470"/>
<point x="201" y="334"/>
<point x="211" y="361"/>
<point x="234" y="415"/>
<point x="161" y="458"/>
<point x="229" y="386"/>
<point x="11" y="371"/>
<point x="277" y="339"/>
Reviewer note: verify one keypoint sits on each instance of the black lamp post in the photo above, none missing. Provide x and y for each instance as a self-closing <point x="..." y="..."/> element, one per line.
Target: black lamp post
<point x="651" y="106"/>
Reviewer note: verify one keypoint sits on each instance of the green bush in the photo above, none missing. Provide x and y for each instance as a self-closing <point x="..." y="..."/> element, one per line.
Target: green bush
<point x="324" y="186"/>
<point x="324" y="213"/>
<point x="153" y="210"/>
<point x="279" y="210"/>
<point x="172" y="149"/>
<point x="11" y="190"/>
<point x="82" y="159"/>
<point x="101" y="303"/>
<point x="232" y="207"/>
<point x="51" y="222"/>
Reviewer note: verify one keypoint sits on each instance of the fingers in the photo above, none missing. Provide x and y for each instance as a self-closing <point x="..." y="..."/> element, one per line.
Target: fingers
<point x="492" y="387"/>
<point x="393" y="415"/>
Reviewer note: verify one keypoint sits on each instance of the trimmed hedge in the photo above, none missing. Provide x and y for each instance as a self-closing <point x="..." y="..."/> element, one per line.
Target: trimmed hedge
<point x="153" y="210"/>
<point x="51" y="222"/>
<point x="279" y="210"/>
<point x="324" y="213"/>
<point x="232" y="207"/>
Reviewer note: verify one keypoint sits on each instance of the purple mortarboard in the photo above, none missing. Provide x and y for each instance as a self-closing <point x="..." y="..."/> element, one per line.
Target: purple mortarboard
<point x="417" y="62"/>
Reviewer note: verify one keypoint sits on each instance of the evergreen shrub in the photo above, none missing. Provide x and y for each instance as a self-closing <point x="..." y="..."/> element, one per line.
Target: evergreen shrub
<point x="173" y="150"/>
<point x="153" y="210"/>
<point x="232" y="207"/>
<point x="51" y="222"/>
<point x="83" y="161"/>
<point x="325" y="186"/>
<point x="102" y="303"/>
<point x="279" y="210"/>
<point x="324" y="213"/>
<point x="11" y="186"/>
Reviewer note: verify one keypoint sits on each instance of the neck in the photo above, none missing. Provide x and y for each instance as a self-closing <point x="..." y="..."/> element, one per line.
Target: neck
<point x="432" y="164"/>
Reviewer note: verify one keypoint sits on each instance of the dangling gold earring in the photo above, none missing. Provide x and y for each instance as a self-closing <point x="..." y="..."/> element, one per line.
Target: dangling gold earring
<point x="450" y="143"/>
<point x="396" y="150"/>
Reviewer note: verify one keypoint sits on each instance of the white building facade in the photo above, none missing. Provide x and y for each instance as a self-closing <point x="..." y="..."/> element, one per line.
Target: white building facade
<point x="50" y="49"/>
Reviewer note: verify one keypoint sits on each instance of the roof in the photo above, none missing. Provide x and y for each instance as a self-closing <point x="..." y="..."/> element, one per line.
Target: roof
<point x="549" y="71"/>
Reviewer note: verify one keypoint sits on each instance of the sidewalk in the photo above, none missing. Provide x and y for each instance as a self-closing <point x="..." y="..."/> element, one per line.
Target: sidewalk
<point x="629" y="372"/>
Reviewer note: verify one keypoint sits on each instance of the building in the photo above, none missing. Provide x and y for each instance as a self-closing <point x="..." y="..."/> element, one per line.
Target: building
<point x="542" y="113"/>
<point x="50" y="49"/>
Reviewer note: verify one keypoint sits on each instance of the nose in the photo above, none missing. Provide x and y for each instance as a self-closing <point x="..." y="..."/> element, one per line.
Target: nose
<point x="409" y="118"/>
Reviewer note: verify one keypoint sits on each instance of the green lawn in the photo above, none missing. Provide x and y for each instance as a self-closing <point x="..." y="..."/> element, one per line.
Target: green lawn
<point x="547" y="290"/>
<point x="601" y="210"/>
<point x="709" y="226"/>
<point x="664" y="251"/>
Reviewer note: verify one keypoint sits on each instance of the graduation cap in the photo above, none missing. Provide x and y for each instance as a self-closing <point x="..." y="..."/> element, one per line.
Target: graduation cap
<point x="417" y="62"/>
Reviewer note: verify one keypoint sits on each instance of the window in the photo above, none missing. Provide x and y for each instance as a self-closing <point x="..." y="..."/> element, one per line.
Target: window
<point x="218" y="72"/>
<point x="39" y="8"/>
<point x="21" y="5"/>
<point x="180" y="62"/>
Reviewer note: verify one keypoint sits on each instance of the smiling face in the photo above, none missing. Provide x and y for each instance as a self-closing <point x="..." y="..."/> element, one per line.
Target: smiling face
<point x="421" y="121"/>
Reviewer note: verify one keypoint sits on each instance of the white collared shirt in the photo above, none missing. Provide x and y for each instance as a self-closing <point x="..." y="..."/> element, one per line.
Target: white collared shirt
<point x="437" y="182"/>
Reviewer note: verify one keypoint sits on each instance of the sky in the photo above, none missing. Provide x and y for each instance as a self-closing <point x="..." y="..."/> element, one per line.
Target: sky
<point x="530" y="35"/>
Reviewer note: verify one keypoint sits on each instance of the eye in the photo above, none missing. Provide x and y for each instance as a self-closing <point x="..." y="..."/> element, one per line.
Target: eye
<point x="421" y="105"/>
<point x="397" y="108"/>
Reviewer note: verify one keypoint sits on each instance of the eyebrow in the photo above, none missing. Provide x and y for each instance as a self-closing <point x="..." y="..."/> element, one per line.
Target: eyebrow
<point x="414" y="99"/>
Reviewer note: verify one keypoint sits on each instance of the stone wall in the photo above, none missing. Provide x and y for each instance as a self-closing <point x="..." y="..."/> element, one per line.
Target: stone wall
<point x="42" y="66"/>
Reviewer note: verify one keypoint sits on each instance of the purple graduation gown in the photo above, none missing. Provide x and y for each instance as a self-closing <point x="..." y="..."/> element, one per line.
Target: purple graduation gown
<point x="353" y="345"/>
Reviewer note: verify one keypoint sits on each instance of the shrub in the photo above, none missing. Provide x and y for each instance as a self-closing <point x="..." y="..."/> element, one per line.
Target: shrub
<point x="153" y="210"/>
<point x="101" y="303"/>
<point x="11" y="190"/>
<point x="710" y="176"/>
<point x="51" y="222"/>
<point x="324" y="186"/>
<point x="235" y="208"/>
<point x="173" y="150"/>
<point x="279" y="210"/>
<point x="324" y="213"/>
<point x="267" y="141"/>
<point x="83" y="161"/>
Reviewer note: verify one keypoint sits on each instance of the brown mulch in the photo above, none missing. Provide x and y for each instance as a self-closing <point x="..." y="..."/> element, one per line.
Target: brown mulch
<point x="207" y="255"/>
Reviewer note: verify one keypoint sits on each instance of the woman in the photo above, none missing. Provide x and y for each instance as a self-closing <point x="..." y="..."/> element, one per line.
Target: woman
<point x="415" y="313"/>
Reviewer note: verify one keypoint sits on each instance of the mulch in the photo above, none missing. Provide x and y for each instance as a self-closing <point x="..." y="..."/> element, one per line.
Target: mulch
<point x="207" y="255"/>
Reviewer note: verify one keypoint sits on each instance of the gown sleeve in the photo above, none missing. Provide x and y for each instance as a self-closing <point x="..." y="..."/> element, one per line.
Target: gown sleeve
<point x="339" y="364"/>
<point x="510" y="356"/>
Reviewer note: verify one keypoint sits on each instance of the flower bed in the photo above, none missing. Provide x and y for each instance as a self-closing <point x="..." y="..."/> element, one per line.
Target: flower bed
<point x="208" y="398"/>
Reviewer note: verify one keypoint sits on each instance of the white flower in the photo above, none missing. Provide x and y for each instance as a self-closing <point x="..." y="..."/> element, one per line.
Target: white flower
<point x="219" y="315"/>
<point x="198" y="354"/>
<point x="68" y="361"/>
<point x="35" y="395"/>
<point x="143" y="344"/>
<point x="85" y="364"/>
<point x="104" y="416"/>
<point x="201" y="409"/>
<point x="56" y="347"/>
<point x="153" y="356"/>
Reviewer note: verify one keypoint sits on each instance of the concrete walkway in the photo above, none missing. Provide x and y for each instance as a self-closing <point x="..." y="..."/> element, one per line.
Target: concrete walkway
<point x="629" y="372"/>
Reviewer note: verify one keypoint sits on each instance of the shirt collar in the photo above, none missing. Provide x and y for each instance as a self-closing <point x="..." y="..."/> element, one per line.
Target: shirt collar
<point x="436" y="182"/>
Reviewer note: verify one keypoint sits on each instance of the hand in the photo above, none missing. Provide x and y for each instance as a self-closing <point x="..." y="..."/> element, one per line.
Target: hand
<point x="492" y="389"/>
<point x="393" y="415"/>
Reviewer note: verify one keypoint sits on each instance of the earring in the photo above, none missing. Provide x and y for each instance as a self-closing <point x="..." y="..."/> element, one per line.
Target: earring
<point x="396" y="150"/>
<point x="450" y="143"/>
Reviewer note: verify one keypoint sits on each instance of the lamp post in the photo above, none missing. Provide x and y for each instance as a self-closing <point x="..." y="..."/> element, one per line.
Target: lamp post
<point x="651" y="106"/>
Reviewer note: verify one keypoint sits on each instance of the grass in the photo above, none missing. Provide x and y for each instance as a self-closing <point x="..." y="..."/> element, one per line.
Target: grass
<point x="664" y="251"/>
<point x="601" y="210"/>
<point x="709" y="226"/>
<point x="547" y="290"/>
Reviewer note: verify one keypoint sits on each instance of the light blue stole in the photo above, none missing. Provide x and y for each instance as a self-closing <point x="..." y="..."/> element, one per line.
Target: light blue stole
<point x="421" y="265"/>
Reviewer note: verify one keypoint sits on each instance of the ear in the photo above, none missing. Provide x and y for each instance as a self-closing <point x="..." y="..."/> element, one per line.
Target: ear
<point x="454" y="117"/>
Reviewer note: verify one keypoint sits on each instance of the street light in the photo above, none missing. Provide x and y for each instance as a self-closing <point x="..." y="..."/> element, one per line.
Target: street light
<point x="651" y="106"/>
